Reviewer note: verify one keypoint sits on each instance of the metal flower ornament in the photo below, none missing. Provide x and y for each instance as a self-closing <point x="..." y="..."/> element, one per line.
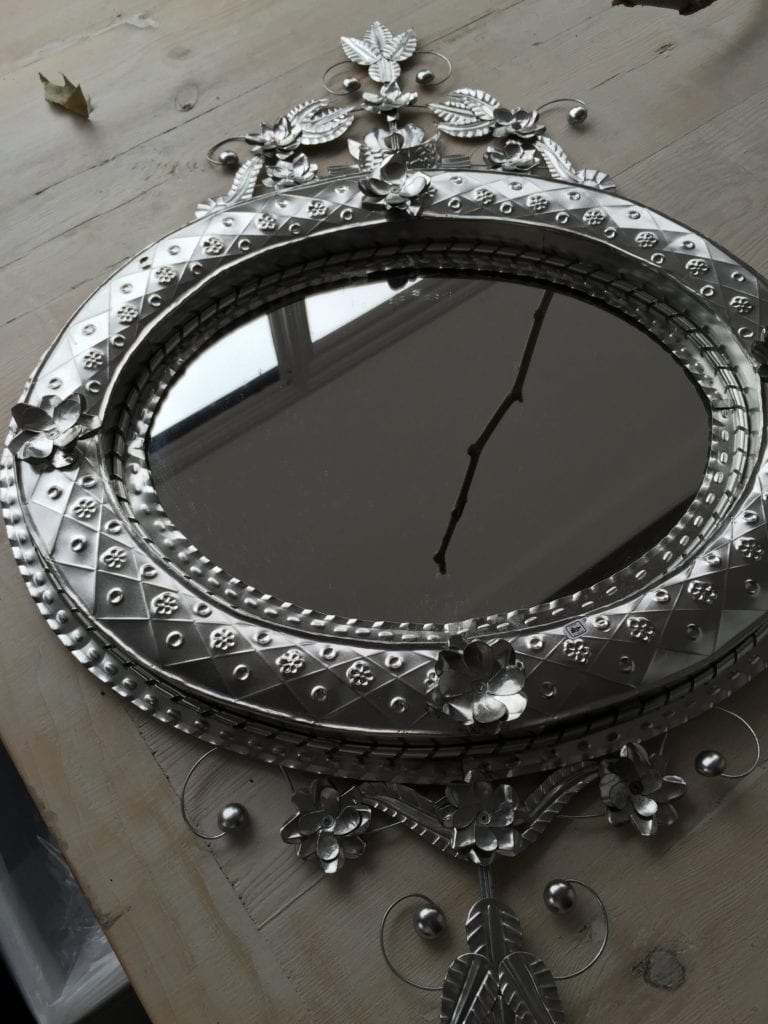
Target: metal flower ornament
<point x="479" y="684"/>
<point x="328" y="826"/>
<point x="49" y="434"/>
<point x="636" y="788"/>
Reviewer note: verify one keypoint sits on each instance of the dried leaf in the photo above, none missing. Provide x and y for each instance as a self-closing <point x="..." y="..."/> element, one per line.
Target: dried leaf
<point x="69" y="96"/>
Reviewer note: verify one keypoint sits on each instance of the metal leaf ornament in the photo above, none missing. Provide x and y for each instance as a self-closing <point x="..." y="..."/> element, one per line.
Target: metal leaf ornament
<point x="380" y="51"/>
<point x="561" y="168"/>
<point x="466" y="113"/>
<point x="318" y="123"/>
<point x="498" y="981"/>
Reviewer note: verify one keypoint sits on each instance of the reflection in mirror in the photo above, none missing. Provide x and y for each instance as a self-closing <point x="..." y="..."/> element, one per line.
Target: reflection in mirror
<point x="316" y="452"/>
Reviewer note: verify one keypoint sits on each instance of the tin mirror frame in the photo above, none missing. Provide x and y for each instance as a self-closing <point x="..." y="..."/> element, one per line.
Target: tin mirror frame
<point x="573" y="687"/>
<point x="157" y="622"/>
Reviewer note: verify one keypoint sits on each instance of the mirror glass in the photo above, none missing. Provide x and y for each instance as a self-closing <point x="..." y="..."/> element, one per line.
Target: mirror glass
<point x="316" y="452"/>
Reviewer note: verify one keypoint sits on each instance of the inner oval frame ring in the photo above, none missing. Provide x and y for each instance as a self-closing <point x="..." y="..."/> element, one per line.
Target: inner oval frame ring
<point x="643" y="651"/>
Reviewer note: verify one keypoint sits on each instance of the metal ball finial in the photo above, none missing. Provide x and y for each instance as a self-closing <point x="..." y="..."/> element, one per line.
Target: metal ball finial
<point x="429" y="921"/>
<point x="232" y="817"/>
<point x="577" y="115"/>
<point x="229" y="158"/>
<point x="351" y="84"/>
<point x="559" y="896"/>
<point x="710" y="763"/>
<point x="425" y="76"/>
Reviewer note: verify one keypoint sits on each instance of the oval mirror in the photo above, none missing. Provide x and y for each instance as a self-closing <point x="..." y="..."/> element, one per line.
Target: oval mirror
<point x="317" y="451"/>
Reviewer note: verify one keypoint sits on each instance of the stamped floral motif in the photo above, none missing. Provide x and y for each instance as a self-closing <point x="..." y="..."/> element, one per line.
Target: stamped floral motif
<point x="213" y="246"/>
<point x="93" y="360"/>
<point x="165" y="604"/>
<point x="478" y="684"/>
<point x="328" y="827"/>
<point x="646" y="239"/>
<point x="266" y="222"/>
<point x="291" y="662"/>
<point x="635" y="788"/>
<point x="697" y="267"/>
<point x="85" y="508"/>
<point x="484" y="196"/>
<point x="114" y="558"/>
<point x="578" y="651"/>
<point x="742" y="304"/>
<point x="702" y="592"/>
<point x="640" y="629"/>
<point x="538" y="203"/>
<point x="360" y="675"/>
<point x="223" y="638"/>
<point x="594" y="217"/>
<point x="165" y="275"/>
<point x="48" y="434"/>
<point x="317" y="208"/>
<point x="749" y="548"/>
<point x="127" y="314"/>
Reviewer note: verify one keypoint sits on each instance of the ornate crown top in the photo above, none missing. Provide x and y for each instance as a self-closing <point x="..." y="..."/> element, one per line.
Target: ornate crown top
<point x="394" y="159"/>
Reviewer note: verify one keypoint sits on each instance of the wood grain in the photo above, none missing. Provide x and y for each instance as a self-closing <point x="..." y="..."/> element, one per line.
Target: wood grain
<point x="241" y="930"/>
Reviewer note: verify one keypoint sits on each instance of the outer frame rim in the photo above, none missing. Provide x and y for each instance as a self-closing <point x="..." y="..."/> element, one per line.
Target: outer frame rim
<point x="320" y="753"/>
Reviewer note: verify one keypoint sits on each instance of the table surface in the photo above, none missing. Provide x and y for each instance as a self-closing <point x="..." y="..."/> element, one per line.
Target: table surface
<point x="241" y="930"/>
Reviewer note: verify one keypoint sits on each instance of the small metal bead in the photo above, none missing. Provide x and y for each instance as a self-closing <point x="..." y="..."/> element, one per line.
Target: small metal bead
<point x="232" y="817"/>
<point x="577" y="115"/>
<point x="425" y="76"/>
<point x="429" y="921"/>
<point x="710" y="763"/>
<point x="351" y="84"/>
<point x="229" y="158"/>
<point x="559" y="896"/>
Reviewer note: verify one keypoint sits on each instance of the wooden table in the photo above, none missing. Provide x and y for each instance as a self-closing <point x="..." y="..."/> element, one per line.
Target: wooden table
<point x="237" y="931"/>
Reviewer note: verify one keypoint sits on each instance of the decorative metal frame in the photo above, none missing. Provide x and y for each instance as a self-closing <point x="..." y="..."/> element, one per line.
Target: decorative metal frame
<point x="556" y="687"/>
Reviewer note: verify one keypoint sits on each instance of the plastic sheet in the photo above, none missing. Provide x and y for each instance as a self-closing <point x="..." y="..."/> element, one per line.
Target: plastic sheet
<point x="52" y="943"/>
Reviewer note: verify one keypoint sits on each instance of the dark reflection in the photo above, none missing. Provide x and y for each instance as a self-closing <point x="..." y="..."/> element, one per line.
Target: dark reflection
<point x="317" y="452"/>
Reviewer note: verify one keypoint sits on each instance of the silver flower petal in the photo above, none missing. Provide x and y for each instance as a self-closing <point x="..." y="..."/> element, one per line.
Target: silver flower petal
<point x="307" y="846"/>
<point x="38" y="448"/>
<point x="349" y="820"/>
<point x="31" y="417"/>
<point x="487" y="709"/>
<point x="310" y="823"/>
<point x="62" y="459"/>
<point x="645" y="806"/>
<point x="672" y="788"/>
<point x="68" y="436"/>
<point x="485" y="839"/>
<point x="328" y="847"/>
<point x="645" y="826"/>
<point x="68" y="412"/>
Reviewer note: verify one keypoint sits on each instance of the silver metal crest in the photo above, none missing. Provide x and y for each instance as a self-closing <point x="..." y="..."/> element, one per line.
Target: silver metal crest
<point x="278" y="159"/>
